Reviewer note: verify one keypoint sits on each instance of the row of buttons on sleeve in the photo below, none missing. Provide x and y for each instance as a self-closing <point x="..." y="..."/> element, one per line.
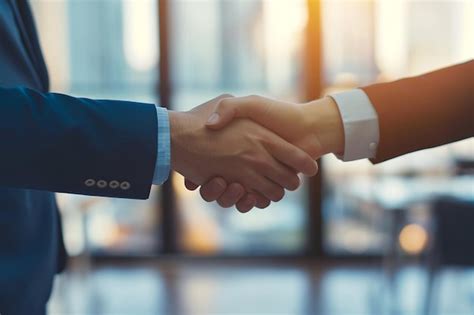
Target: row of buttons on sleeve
<point x="103" y="184"/>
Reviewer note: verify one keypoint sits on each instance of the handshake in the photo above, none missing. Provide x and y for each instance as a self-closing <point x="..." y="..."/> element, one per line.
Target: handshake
<point x="246" y="151"/>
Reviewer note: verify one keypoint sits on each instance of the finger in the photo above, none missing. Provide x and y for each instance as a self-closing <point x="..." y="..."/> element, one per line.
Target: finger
<point x="262" y="202"/>
<point x="291" y="156"/>
<point x="231" y="196"/>
<point x="266" y="187"/>
<point x="280" y="174"/>
<point x="213" y="189"/>
<point x="238" y="107"/>
<point x="246" y="203"/>
<point x="190" y="185"/>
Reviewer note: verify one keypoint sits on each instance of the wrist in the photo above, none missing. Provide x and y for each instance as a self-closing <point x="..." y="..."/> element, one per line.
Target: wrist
<point x="177" y="134"/>
<point x="324" y="121"/>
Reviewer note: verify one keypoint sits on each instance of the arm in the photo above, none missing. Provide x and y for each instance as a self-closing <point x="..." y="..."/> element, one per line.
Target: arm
<point x="424" y="111"/>
<point x="412" y="114"/>
<point x="61" y="143"/>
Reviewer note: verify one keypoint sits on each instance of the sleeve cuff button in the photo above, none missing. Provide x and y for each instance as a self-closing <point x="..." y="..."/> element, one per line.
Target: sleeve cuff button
<point x="89" y="182"/>
<point x="114" y="184"/>
<point x="125" y="185"/>
<point x="101" y="183"/>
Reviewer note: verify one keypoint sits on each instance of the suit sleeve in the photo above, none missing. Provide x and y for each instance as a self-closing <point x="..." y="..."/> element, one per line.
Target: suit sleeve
<point x="424" y="111"/>
<point x="60" y="143"/>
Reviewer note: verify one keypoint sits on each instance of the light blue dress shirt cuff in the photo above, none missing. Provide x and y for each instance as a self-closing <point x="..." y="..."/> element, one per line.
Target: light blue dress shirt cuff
<point x="361" y="124"/>
<point x="163" y="155"/>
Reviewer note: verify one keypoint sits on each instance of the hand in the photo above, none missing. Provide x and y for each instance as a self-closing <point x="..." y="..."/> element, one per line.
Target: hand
<point x="315" y="127"/>
<point x="244" y="153"/>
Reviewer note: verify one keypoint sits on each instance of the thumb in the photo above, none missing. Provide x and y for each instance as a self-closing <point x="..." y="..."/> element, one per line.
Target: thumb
<point x="229" y="109"/>
<point x="219" y="120"/>
<point x="223" y="114"/>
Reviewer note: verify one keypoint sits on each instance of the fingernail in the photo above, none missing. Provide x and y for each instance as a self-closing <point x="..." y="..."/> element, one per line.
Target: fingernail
<point x="214" y="118"/>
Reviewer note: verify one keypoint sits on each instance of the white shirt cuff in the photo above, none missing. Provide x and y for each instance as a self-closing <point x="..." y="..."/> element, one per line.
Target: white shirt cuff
<point x="163" y="154"/>
<point x="361" y="125"/>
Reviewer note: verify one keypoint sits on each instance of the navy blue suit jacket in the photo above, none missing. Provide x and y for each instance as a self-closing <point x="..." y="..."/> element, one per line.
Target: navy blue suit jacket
<point x="55" y="143"/>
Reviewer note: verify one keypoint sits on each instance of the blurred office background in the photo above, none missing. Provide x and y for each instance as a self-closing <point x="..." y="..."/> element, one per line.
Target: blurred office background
<point x="395" y="238"/>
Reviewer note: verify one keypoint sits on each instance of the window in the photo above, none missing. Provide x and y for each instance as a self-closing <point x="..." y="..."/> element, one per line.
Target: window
<point x="237" y="47"/>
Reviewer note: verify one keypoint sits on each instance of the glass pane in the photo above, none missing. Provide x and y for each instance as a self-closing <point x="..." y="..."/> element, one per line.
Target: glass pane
<point x="238" y="47"/>
<point x="106" y="49"/>
<point x="370" y="41"/>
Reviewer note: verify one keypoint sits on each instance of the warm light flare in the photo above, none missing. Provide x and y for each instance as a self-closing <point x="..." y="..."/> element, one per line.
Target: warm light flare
<point x="413" y="239"/>
<point x="283" y="24"/>
<point x="140" y="39"/>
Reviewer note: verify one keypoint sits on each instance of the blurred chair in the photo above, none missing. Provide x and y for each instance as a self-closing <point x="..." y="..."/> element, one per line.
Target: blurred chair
<point x="453" y="242"/>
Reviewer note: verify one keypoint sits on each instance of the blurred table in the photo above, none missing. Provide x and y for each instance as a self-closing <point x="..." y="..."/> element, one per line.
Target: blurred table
<point x="396" y="196"/>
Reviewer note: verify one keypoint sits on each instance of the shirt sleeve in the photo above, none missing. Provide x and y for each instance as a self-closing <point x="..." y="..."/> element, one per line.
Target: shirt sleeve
<point x="163" y="155"/>
<point x="361" y="124"/>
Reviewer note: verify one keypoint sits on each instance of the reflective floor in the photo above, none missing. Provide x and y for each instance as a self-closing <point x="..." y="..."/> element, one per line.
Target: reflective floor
<point x="256" y="287"/>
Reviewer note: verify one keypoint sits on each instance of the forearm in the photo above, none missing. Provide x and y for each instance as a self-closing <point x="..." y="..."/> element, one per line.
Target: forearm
<point x="424" y="111"/>
<point x="61" y="143"/>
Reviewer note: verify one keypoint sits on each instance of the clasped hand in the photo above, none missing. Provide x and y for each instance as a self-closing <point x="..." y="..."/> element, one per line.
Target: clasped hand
<point x="245" y="151"/>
